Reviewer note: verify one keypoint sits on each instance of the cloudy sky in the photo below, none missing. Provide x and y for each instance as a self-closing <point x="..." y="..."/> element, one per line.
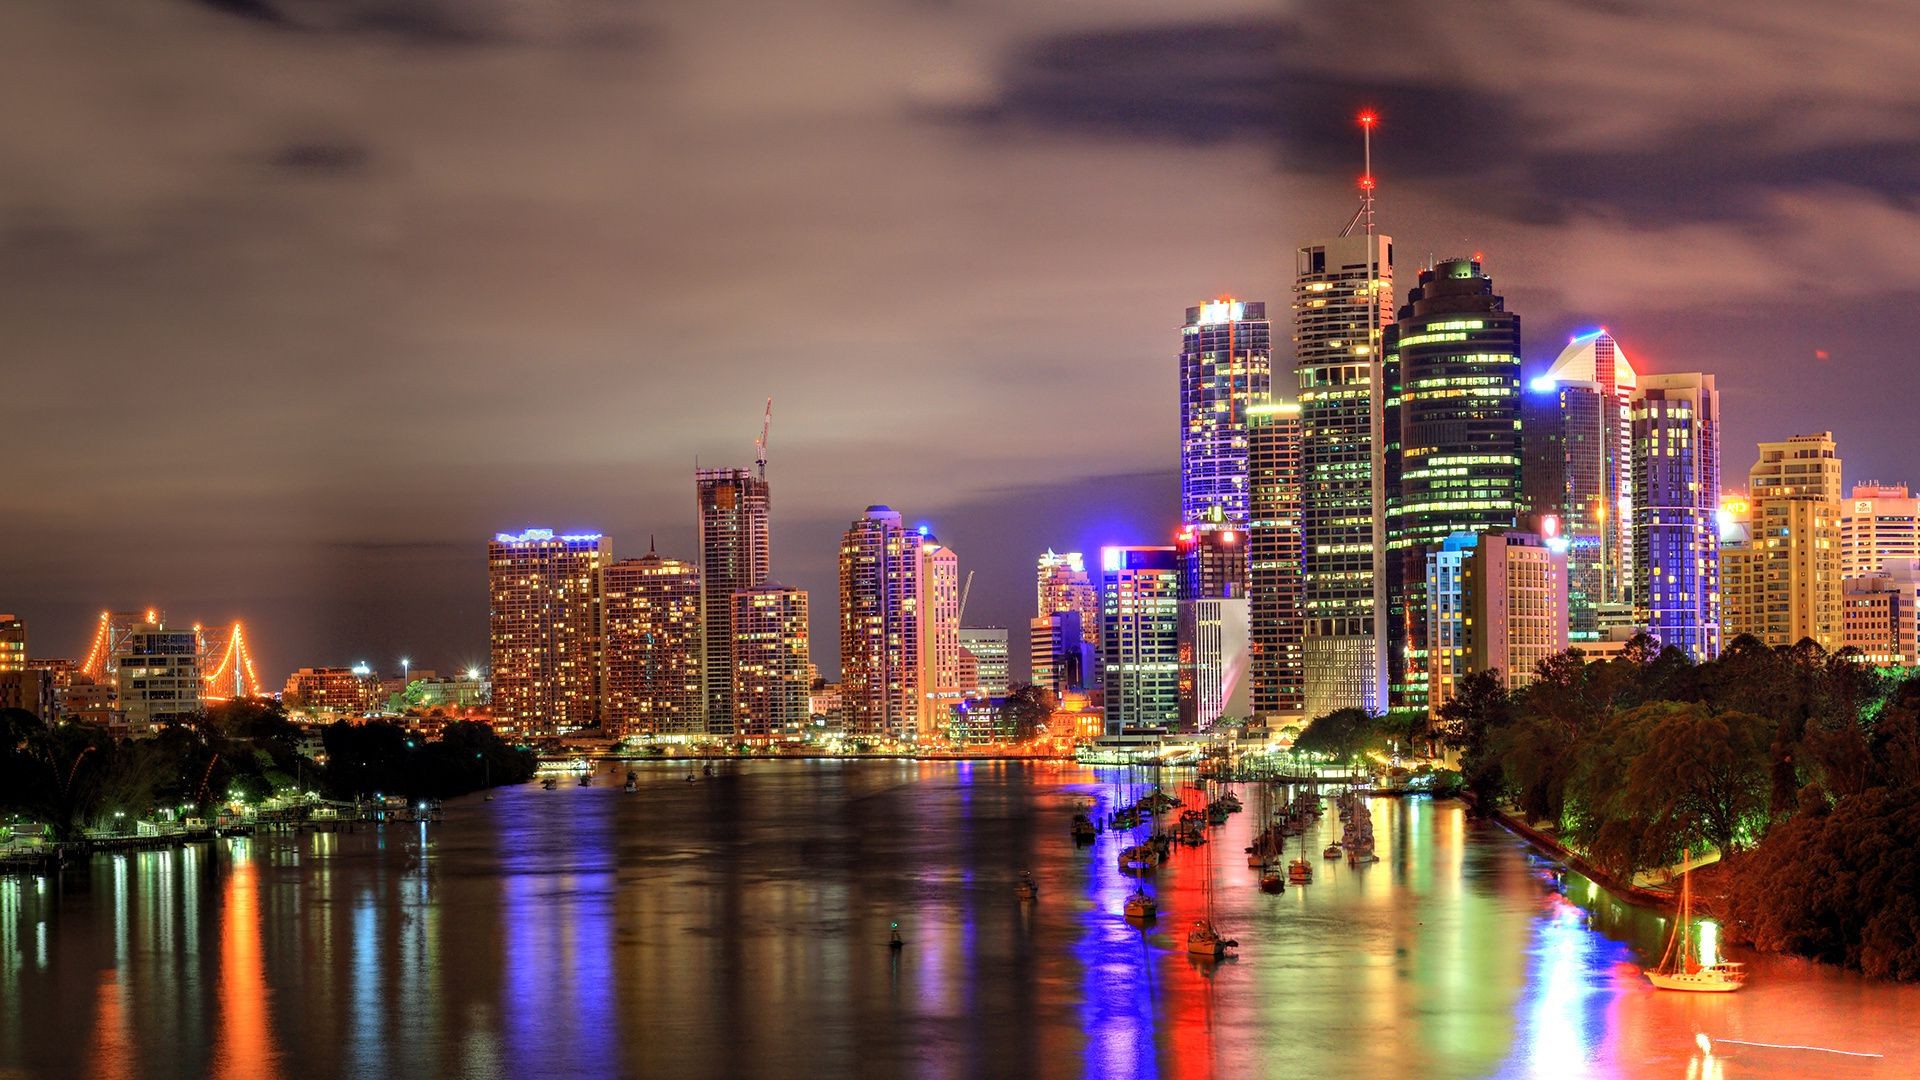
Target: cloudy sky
<point x="301" y="300"/>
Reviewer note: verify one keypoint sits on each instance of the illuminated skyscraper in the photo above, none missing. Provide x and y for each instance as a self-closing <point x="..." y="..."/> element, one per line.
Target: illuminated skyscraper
<point x="939" y="619"/>
<point x="1783" y="583"/>
<point x="1879" y="530"/>
<point x="157" y="676"/>
<point x="1596" y="360"/>
<point x="13" y="643"/>
<point x="1139" y="621"/>
<point x="772" y="668"/>
<point x="653" y="647"/>
<point x="1213" y="624"/>
<point x="988" y="647"/>
<point x="1562" y="479"/>
<point x="880" y="635"/>
<point x="1515" y="591"/>
<point x="1453" y="396"/>
<point x="1063" y="586"/>
<point x="735" y="554"/>
<point x="1226" y="363"/>
<point x="1342" y="298"/>
<point x="1273" y="548"/>
<point x="545" y="614"/>
<point x="1674" y="433"/>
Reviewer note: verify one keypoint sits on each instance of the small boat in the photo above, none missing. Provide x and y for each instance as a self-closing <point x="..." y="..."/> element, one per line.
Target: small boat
<point x="1332" y="852"/>
<point x="1271" y="880"/>
<point x="1300" y="871"/>
<point x="1255" y="859"/>
<point x="586" y="780"/>
<point x="1141" y="906"/>
<point x="1026" y="888"/>
<point x="1679" y="969"/>
<point x="1083" y="828"/>
<point x="633" y="781"/>
<point x="549" y="783"/>
<point x="1204" y="940"/>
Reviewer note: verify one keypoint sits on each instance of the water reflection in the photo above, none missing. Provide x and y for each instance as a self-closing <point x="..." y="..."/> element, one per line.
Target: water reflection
<point x="737" y="927"/>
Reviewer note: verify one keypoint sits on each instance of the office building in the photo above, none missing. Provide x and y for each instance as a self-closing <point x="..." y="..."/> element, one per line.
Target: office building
<point x="328" y="693"/>
<point x="157" y="676"/>
<point x="735" y="554"/>
<point x="653" y="648"/>
<point x="1452" y="417"/>
<point x="1274" y="663"/>
<point x="1226" y="363"/>
<point x="23" y="685"/>
<point x="1877" y="616"/>
<point x="939" y="622"/>
<point x="1139" y="620"/>
<point x="987" y="645"/>
<point x="1782" y="583"/>
<point x="1342" y="298"/>
<point x="1500" y="604"/>
<point x="1060" y="658"/>
<point x="1564" y="488"/>
<point x="1674" y="450"/>
<point x="13" y="643"/>
<point x="1064" y="586"/>
<point x="1605" y="472"/>
<point x="1879" y="530"/>
<point x="772" y="669"/>
<point x="546" y="616"/>
<point x="880" y="635"/>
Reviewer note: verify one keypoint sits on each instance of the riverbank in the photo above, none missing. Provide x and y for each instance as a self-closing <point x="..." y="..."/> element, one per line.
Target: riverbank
<point x="1638" y="895"/>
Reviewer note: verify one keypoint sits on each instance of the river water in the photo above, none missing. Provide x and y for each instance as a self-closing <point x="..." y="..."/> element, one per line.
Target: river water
<point x="737" y="927"/>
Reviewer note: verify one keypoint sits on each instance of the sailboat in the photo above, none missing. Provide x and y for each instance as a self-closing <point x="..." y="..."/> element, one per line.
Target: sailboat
<point x="1203" y="939"/>
<point x="1680" y="969"/>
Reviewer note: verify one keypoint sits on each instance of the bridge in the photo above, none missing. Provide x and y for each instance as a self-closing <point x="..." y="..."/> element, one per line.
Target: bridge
<point x="226" y="664"/>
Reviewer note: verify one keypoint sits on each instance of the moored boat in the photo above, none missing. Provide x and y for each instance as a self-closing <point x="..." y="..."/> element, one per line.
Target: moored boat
<point x="1204" y="940"/>
<point x="1680" y="969"/>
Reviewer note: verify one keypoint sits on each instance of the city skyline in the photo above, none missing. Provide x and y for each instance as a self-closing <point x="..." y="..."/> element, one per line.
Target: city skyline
<point x="343" y="529"/>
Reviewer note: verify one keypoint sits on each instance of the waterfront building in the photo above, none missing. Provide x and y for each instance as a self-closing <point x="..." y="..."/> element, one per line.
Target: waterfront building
<point x="1139" y="618"/>
<point x="772" y="672"/>
<point x="1452" y="417"/>
<point x="1564" y="482"/>
<point x="1226" y="361"/>
<point x="469" y="689"/>
<point x="546" y="626"/>
<point x="1877" y="616"/>
<point x="979" y="721"/>
<point x="1508" y="604"/>
<point x="316" y="693"/>
<point x="1060" y="658"/>
<point x="1274" y="631"/>
<point x="880" y="634"/>
<point x="987" y="645"/>
<point x="1342" y="298"/>
<point x="13" y="643"/>
<point x="1782" y="583"/>
<point x="1605" y="485"/>
<point x="157" y="676"/>
<point x="1879" y="530"/>
<point x="735" y="553"/>
<point x="654" y="648"/>
<point x="1674" y="449"/>
<point x="939" y="609"/>
<point x="23" y="685"/>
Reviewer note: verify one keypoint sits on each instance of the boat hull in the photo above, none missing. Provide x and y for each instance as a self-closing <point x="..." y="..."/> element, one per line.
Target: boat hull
<point x="1692" y="983"/>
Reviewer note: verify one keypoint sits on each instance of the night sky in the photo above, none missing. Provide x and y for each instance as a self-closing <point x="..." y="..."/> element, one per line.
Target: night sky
<point x="301" y="300"/>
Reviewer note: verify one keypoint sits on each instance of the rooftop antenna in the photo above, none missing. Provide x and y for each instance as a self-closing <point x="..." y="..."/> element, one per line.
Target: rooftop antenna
<point x="1363" y="215"/>
<point x="760" y="445"/>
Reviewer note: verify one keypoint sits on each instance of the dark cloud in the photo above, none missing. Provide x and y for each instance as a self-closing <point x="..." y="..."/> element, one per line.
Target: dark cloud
<point x="331" y="157"/>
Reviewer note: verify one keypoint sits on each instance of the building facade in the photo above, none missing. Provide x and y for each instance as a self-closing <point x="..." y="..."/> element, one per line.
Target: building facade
<point x="1139" y="621"/>
<point x="1274" y="620"/>
<point x="1060" y="658"/>
<point x="880" y="634"/>
<point x="939" y="652"/>
<point x="545" y="613"/>
<point x="1782" y="583"/>
<point x="772" y="668"/>
<point x="157" y="676"/>
<point x="1597" y="360"/>
<point x="988" y="647"/>
<point x="653" y="648"/>
<point x="314" y="693"/>
<point x="1564" y="488"/>
<point x="1226" y="363"/>
<point x="1877" y="617"/>
<point x="736" y="552"/>
<point x="1342" y="299"/>
<point x="1674" y="449"/>
<point x="1879" y="530"/>
<point x="1515" y="589"/>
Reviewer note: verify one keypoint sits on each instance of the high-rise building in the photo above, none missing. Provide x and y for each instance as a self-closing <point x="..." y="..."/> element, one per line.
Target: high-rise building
<point x="1605" y="486"/>
<point x="772" y="670"/>
<point x="1139" y="621"/>
<point x="1061" y="659"/>
<point x="1674" y="451"/>
<point x="1564" y="488"/>
<point x="316" y="693"/>
<point x="1498" y="603"/>
<point x="1226" y="362"/>
<point x="1063" y="586"/>
<point x="939" y="618"/>
<point x="735" y="554"/>
<point x="157" y="676"/>
<point x="546" y="624"/>
<point x="1213" y="624"/>
<point x="653" y="648"/>
<point x="1342" y="298"/>
<point x="1782" y="583"/>
<point x="1879" y="530"/>
<point x="880" y="634"/>
<point x="1273" y="551"/>
<point x="24" y="685"/>
<point x="13" y="643"/>
<point x="988" y="647"/>
<point x="1452" y="417"/>
<point x="1877" y="616"/>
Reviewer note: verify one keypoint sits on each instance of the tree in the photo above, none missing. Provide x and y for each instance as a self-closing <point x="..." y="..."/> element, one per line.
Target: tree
<point x="1342" y="734"/>
<point x="1026" y="710"/>
<point x="1700" y="777"/>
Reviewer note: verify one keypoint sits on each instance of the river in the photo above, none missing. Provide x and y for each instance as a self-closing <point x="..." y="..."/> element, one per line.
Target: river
<point x="737" y="927"/>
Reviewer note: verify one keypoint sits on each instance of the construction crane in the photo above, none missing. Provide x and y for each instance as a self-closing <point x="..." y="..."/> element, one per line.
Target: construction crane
<point x="961" y="617"/>
<point x="760" y="445"/>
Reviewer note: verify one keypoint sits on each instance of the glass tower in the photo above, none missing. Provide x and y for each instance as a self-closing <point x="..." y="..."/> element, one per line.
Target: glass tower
<point x="1226" y="361"/>
<point x="1676" y="504"/>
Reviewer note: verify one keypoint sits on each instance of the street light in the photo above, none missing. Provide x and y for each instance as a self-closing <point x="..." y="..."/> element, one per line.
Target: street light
<point x="405" y="666"/>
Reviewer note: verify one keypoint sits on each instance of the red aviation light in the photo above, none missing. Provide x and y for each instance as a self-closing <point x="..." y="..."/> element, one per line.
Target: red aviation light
<point x="1368" y="119"/>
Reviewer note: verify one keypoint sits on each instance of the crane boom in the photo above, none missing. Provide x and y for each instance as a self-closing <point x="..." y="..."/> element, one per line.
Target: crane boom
<point x="760" y="445"/>
<point x="961" y="616"/>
